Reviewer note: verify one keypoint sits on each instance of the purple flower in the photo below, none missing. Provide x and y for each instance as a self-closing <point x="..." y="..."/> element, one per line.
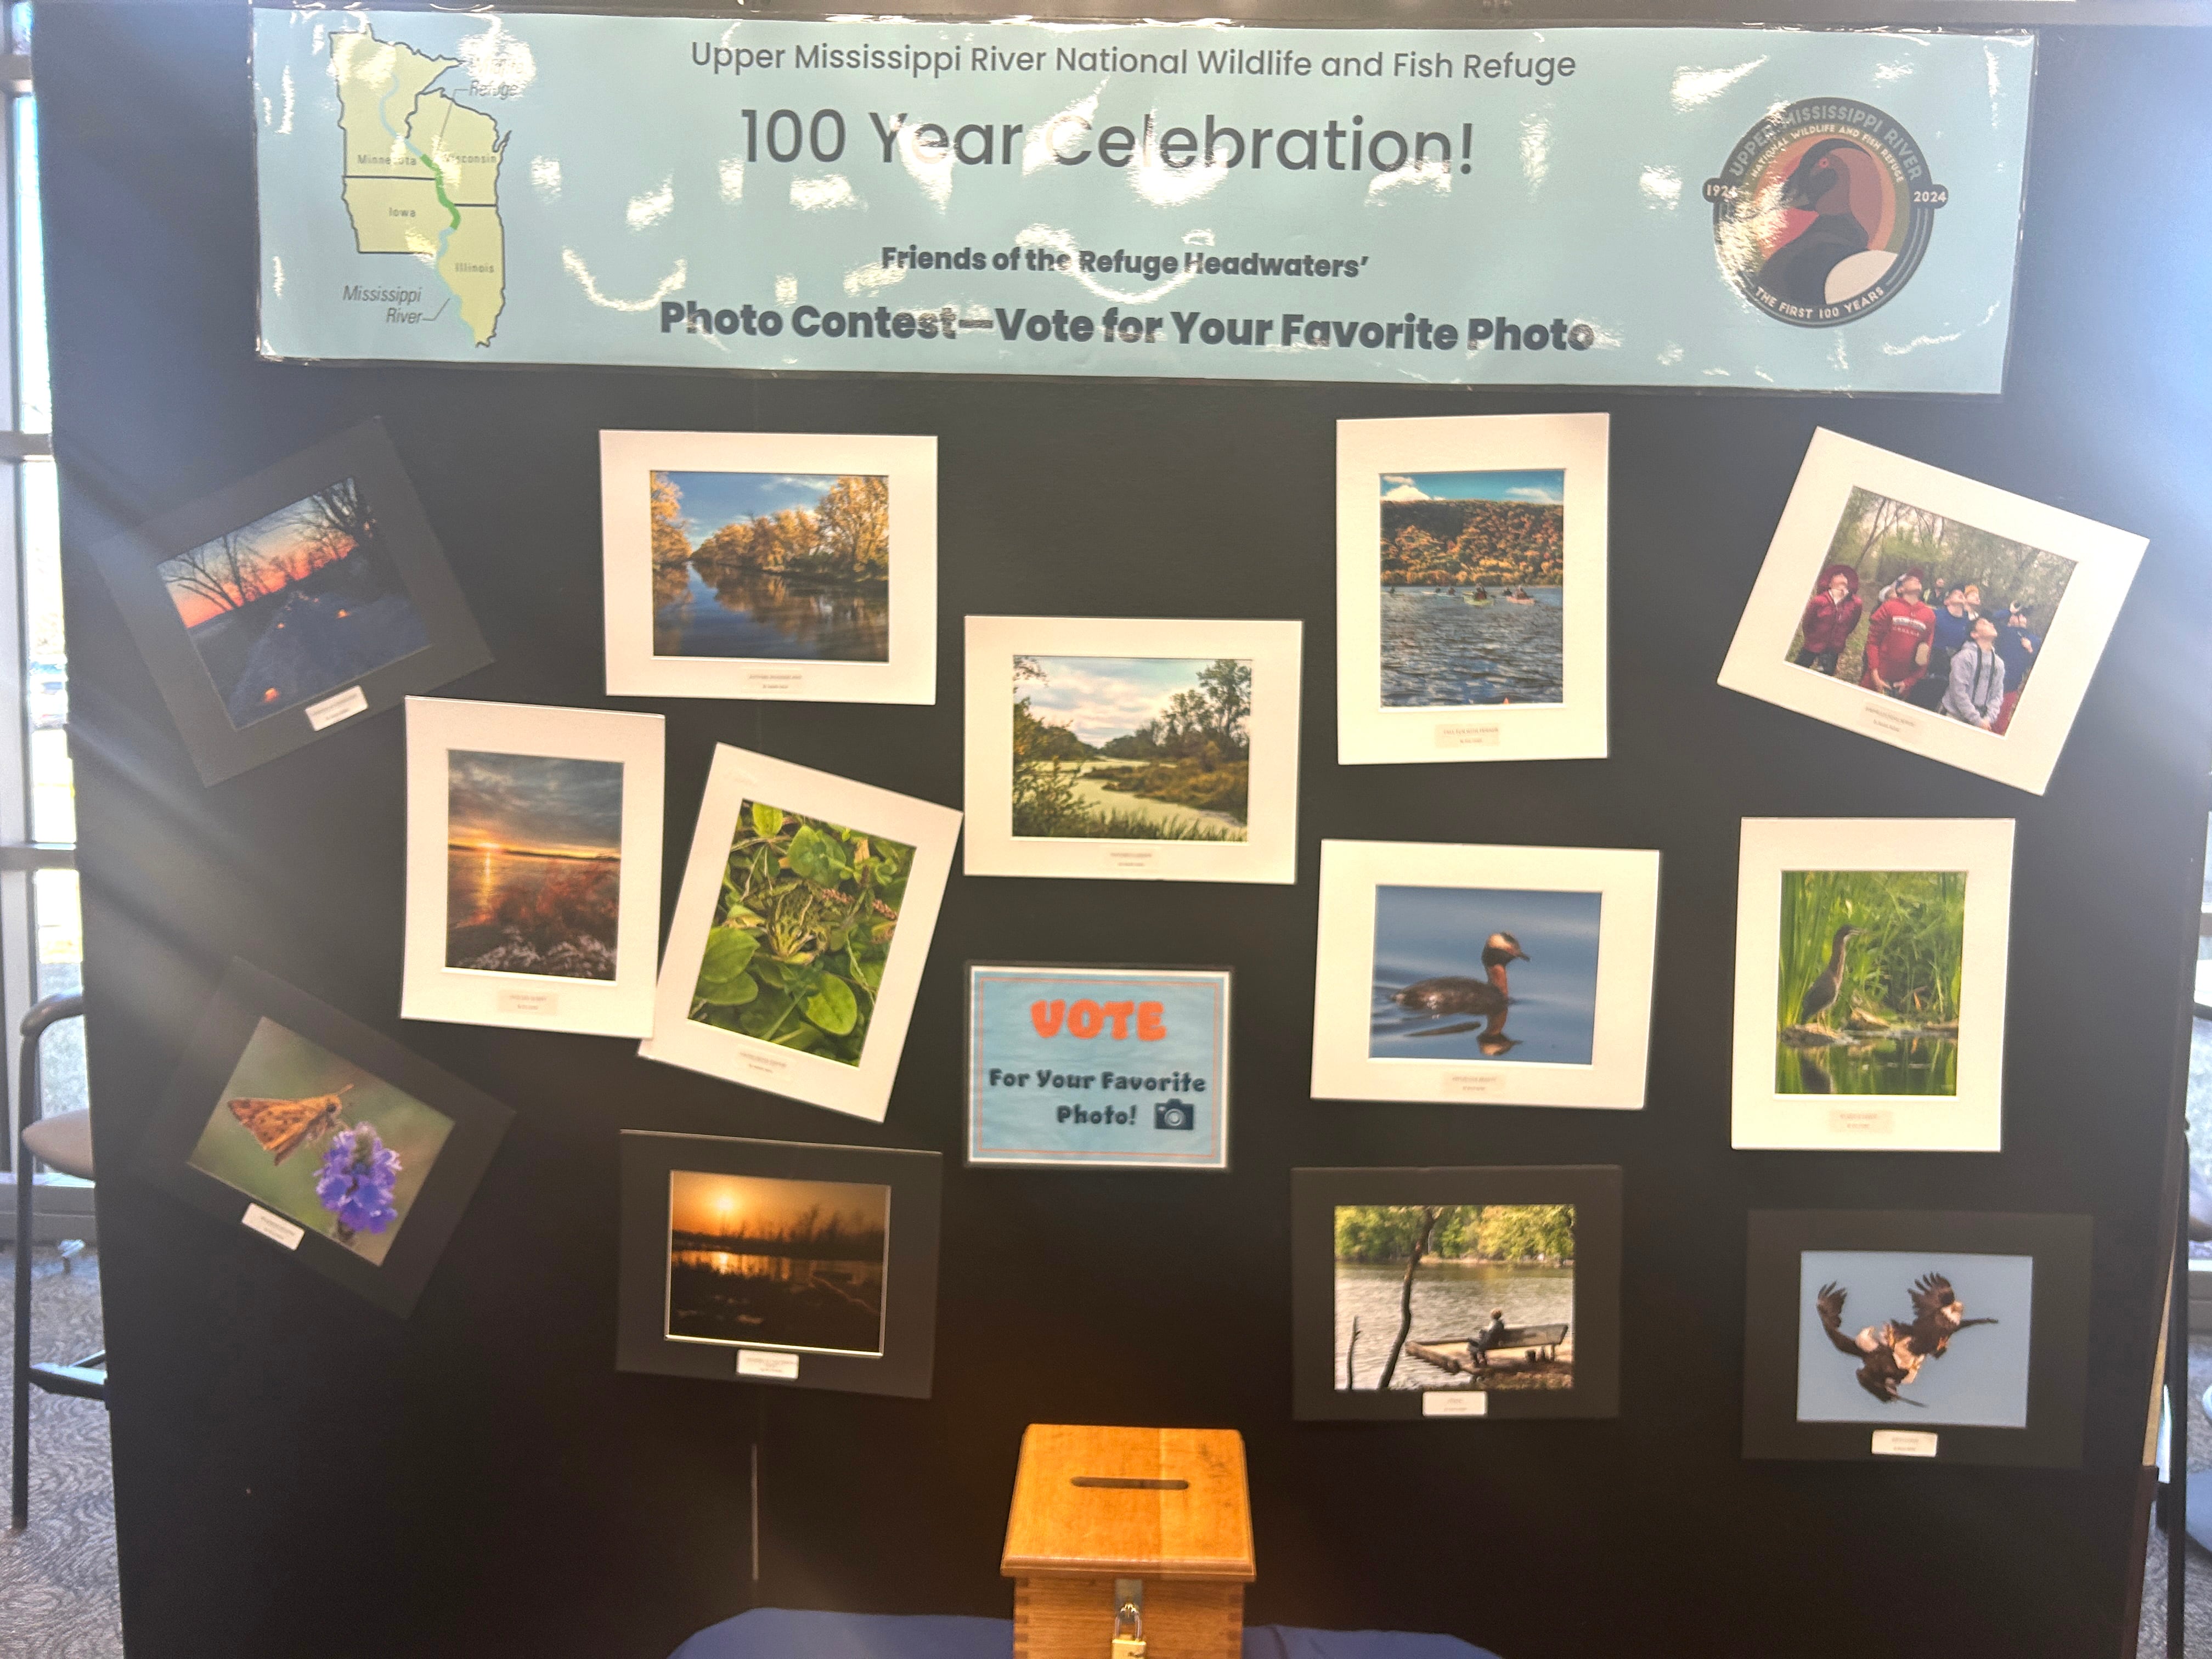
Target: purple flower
<point x="356" y="1180"/>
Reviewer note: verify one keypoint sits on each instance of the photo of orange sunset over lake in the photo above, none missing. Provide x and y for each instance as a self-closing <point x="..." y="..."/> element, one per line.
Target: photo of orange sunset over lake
<point x="533" y="864"/>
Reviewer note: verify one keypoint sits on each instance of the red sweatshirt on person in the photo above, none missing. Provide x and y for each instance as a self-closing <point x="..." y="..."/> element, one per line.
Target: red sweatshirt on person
<point x="1899" y="626"/>
<point x="1827" y="625"/>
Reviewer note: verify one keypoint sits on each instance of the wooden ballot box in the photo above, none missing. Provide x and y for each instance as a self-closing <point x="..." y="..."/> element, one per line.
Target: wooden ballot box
<point x="1102" y="1515"/>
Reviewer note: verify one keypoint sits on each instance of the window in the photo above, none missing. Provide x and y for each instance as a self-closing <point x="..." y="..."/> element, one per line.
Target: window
<point x="41" y="937"/>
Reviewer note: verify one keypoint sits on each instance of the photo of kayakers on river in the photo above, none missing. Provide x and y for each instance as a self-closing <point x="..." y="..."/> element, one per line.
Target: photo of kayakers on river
<point x="1917" y="606"/>
<point x="295" y="605"/>
<point x="1477" y="973"/>
<point x="1868" y="983"/>
<point x="1455" y="1297"/>
<point x="784" y="566"/>
<point x="1473" y="565"/>
<point x="1132" y="748"/>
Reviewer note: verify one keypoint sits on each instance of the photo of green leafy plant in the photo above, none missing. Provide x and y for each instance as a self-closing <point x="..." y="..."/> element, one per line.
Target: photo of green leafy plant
<point x="1867" y="985"/>
<point x="802" y="930"/>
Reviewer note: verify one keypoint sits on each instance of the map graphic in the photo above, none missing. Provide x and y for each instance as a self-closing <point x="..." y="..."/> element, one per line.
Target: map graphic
<point x="422" y="172"/>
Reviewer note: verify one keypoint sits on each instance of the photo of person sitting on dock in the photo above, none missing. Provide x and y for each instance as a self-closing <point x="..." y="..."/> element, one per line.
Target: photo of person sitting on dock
<point x="1455" y="1297"/>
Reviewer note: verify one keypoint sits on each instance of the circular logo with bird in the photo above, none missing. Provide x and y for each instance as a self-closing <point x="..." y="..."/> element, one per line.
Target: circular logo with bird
<point x="1823" y="211"/>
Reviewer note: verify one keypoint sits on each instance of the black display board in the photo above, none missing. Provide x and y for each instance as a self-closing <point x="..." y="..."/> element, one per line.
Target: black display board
<point x="299" y="1473"/>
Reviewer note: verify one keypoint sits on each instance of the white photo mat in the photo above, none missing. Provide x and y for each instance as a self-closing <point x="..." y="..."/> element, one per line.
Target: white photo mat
<point x="1269" y="852"/>
<point x="546" y="1002"/>
<point x="1973" y="1120"/>
<point x="1574" y="727"/>
<point x="2023" y="755"/>
<point x="626" y="460"/>
<point x="1343" y="977"/>
<point x="737" y="777"/>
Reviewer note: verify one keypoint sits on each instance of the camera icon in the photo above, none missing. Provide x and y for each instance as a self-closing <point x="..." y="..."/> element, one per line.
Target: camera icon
<point x="1174" y="1115"/>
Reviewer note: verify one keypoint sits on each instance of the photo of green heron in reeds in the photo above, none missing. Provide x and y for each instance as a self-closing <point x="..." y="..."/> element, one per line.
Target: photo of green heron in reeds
<point x="1867" y="985"/>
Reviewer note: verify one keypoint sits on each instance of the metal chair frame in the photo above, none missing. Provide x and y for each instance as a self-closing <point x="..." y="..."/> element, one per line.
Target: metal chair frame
<point x="83" y="1379"/>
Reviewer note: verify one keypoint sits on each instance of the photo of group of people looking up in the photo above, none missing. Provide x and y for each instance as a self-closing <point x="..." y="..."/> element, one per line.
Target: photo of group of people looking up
<point x="1936" y="634"/>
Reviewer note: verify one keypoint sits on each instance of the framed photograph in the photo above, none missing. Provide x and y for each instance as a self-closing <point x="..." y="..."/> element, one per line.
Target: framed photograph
<point x="533" y="866"/>
<point x="1932" y="612"/>
<point x="1153" y="750"/>
<point x="326" y="1137"/>
<point x="1870" y="984"/>
<point x="1094" y="1067"/>
<point x="1946" y="1336"/>
<point x="775" y="1261"/>
<point x="1470" y="588"/>
<point x="1509" y="976"/>
<point x="800" y="930"/>
<point x="798" y="566"/>
<point x="1479" y="1292"/>
<point x="297" y="599"/>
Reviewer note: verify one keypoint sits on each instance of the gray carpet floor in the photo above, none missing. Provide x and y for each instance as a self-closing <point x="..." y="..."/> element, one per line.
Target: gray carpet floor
<point x="57" y="1593"/>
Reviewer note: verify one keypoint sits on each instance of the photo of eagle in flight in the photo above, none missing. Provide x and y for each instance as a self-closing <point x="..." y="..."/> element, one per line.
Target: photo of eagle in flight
<point x="1890" y="1356"/>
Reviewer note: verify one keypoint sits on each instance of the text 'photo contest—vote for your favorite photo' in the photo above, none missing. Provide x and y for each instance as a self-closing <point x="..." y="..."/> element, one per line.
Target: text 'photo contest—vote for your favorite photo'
<point x="1155" y="748"/>
<point x="292" y="602"/>
<point x="800" y="930"/>
<point x="1501" y="975"/>
<point x="1932" y="612"/>
<point x="533" y="866"/>
<point x="1474" y="1292"/>
<point x="1870" y="983"/>
<point x="770" y="565"/>
<point x="292" y="1121"/>
<point x="757" y="1260"/>
<point x="1956" y="1337"/>
<point x="1471" y="588"/>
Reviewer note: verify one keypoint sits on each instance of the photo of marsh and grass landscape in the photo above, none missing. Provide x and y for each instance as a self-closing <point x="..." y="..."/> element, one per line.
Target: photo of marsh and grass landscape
<point x="533" y="864"/>
<point x="1472" y="566"/>
<point x="1868" y="987"/>
<point x="782" y="1264"/>
<point x="802" y="933"/>
<point x="295" y="605"/>
<point x="1132" y="748"/>
<point x="1492" y="1297"/>
<point x="788" y="566"/>
<point x="320" y="1141"/>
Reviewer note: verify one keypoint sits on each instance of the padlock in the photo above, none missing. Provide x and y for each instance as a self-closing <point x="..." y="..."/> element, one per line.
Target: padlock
<point x="1131" y="1646"/>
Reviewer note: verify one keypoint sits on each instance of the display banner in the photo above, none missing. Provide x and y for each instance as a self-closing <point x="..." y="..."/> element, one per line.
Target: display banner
<point x="1766" y="208"/>
<point x="1102" y="1066"/>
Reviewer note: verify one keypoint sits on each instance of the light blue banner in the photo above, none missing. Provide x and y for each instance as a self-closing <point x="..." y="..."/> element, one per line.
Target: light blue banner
<point x="1764" y="207"/>
<point x="1098" y="1067"/>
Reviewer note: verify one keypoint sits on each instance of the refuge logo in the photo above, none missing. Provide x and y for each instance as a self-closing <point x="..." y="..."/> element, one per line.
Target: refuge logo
<point x="1823" y="211"/>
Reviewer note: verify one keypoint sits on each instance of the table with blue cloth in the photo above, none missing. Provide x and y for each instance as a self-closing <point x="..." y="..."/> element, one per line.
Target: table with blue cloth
<point x="778" y="1633"/>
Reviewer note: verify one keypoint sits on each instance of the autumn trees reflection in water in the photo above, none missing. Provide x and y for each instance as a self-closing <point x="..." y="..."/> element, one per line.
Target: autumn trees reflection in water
<point x="771" y="565"/>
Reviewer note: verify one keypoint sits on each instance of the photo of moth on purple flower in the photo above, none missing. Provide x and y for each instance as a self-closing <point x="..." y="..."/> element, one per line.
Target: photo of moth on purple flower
<point x="372" y="1146"/>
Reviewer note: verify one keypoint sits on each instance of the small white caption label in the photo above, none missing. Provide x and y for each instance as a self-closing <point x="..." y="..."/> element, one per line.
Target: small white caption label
<point x="1903" y="1443"/>
<point x="766" y="1065"/>
<point x="752" y="1362"/>
<point x="1471" y="1084"/>
<point x="1889" y="717"/>
<point x="1131" y="858"/>
<point x="256" y="1219"/>
<point x="1871" y="1124"/>
<point x="331" y="710"/>
<point x="786" y="681"/>
<point x="1460" y="735"/>
<point x="538" y="1005"/>
<point x="1470" y="1404"/>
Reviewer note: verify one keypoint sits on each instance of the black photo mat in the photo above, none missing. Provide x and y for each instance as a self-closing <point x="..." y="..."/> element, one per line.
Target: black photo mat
<point x="222" y="747"/>
<point x="2057" y="1365"/>
<point x="915" y="1180"/>
<point x="1594" y="1326"/>
<point x="226" y="1028"/>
